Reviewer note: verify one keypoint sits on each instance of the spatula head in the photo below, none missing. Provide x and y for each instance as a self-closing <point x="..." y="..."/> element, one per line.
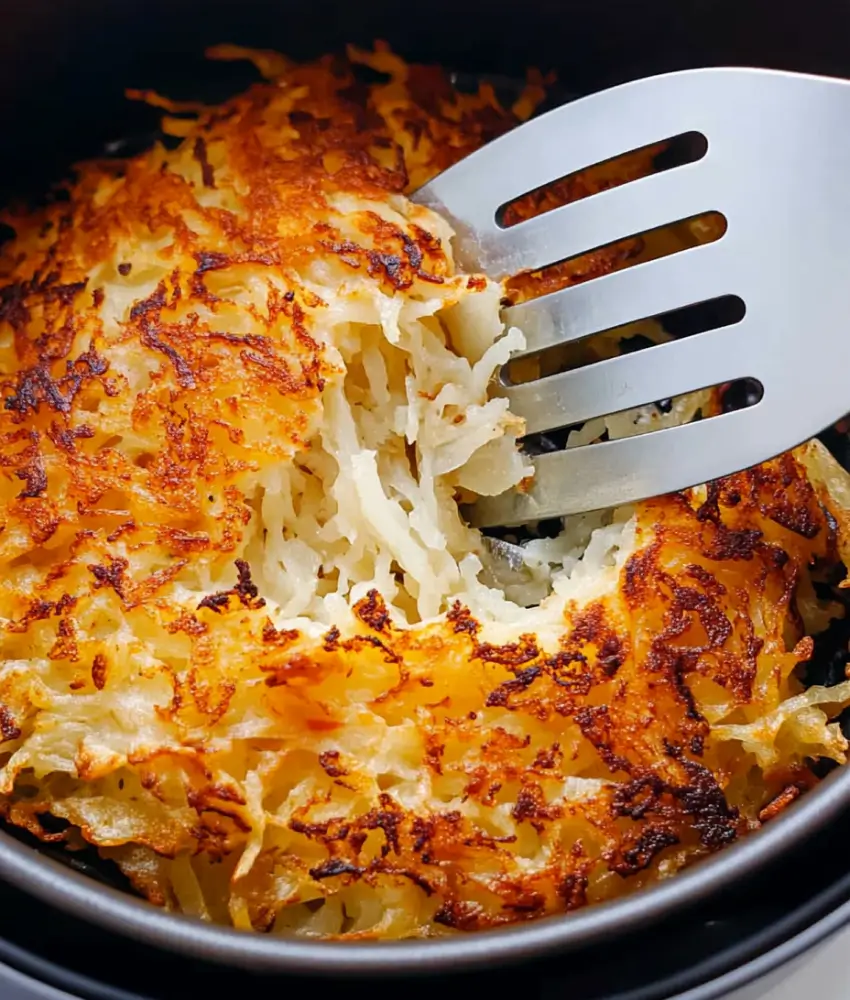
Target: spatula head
<point x="776" y="165"/>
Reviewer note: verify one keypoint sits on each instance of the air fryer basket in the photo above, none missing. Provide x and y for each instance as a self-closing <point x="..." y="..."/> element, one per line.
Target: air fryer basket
<point x="63" y="67"/>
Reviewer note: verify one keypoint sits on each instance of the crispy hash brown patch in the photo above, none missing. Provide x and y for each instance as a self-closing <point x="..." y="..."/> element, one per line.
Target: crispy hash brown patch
<point x="249" y="648"/>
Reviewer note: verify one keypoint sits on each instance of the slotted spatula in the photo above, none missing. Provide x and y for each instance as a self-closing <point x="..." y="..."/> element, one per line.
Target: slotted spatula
<point x="777" y="167"/>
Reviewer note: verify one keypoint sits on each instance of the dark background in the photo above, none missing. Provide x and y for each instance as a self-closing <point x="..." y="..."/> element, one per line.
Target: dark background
<point x="64" y="63"/>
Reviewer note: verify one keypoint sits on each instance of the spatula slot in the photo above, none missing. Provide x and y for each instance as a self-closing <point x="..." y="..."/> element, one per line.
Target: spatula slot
<point x="667" y="154"/>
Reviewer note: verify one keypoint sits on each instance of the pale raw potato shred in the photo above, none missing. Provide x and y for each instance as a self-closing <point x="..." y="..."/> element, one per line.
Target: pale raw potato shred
<point x="250" y="649"/>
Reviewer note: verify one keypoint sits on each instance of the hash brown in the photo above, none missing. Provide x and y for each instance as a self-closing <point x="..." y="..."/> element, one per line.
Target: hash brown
<point x="249" y="648"/>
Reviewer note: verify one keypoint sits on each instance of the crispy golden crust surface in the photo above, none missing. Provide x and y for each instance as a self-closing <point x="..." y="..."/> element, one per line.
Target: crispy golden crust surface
<point x="180" y="328"/>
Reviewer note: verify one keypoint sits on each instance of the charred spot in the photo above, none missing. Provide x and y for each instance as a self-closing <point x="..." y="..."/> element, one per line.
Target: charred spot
<point x="531" y="805"/>
<point x="98" y="671"/>
<point x="333" y="867"/>
<point x="412" y="251"/>
<point x="527" y="903"/>
<point x="573" y="891"/>
<point x="36" y="385"/>
<point x="329" y="831"/>
<point x="717" y="626"/>
<point x="199" y="152"/>
<point x="287" y="381"/>
<point x="9" y="728"/>
<point x="65" y="647"/>
<point x="501" y="696"/>
<point x="361" y="641"/>
<point x="434" y="750"/>
<point x="418" y="880"/>
<point x="97" y="297"/>
<point x="63" y="293"/>
<point x="65" y="603"/>
<point x="570" y="671"/>
<point x="149" y="336"/>
<point x="388" y="819"/>
<point x="711" y="584"/>
<point x="188" y="624"/>
<point x="799" y="519"/>
<point x="611" y="655"/>
<point x="65" y="437"/>
<point x="422" y="830"/>
<point x="124" y="269"/>
<point x="111" y="575"/>
<point x="280" y="637"/>
<point x="459" y="914"/>
<point x="13" y="308"/>
<point x="226" y="793"/>
<point x="331" y="641"/>
<point x="589" y="625"/>
<point x="55" y="342"/>
<point x="329" y="761"/>
<point x="638" y="797"/>
<point x="594" y="721"/>
<point x="245" y="590"/>
<point x="729" y="544"/>
<point x="153" y="303"/>
<point x="372" y="611"/>
<point x="675" y="664"/>
<point x="33" y="473"/>
<point x="462" y="620"/>
<point x="434" y="279"/>
<point x="183" y="541"/>
<point x="703" y="799"/>
<point x="637" y="858"/>
<point x="709" y="509"/>
<point x="512" y="654"/>
<point x="549" y="757"/>
<point x="37" y="611"/>
<point x="297" y="665"/>
<point x="91" y="361"/>
<point x="208" y="260"/>
<point x="388" y="264"/>
<point x="41" y="518"/>
<point x="638" y="570"/>
<point x="787" y="497"/>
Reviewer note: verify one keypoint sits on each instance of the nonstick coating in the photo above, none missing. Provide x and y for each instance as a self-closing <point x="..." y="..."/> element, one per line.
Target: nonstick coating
<point x="63" y="68"/>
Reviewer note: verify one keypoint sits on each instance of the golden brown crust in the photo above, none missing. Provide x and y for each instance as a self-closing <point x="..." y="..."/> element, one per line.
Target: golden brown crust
<point x="708" y="598"/>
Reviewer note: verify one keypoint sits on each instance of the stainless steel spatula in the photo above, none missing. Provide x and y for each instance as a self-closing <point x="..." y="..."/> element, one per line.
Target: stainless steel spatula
<point x="777" y="166"/>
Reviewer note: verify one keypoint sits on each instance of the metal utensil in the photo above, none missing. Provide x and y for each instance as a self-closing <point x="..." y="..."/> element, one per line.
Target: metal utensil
<point x="777" y="166"/>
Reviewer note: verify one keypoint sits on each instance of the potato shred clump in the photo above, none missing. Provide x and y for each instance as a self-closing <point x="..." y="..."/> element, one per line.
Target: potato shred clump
<point x="250" y="649"/>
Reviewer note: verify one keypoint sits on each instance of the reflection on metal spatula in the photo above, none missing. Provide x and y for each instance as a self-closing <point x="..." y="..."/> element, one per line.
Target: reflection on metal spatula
<point x="777" y="166"/>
